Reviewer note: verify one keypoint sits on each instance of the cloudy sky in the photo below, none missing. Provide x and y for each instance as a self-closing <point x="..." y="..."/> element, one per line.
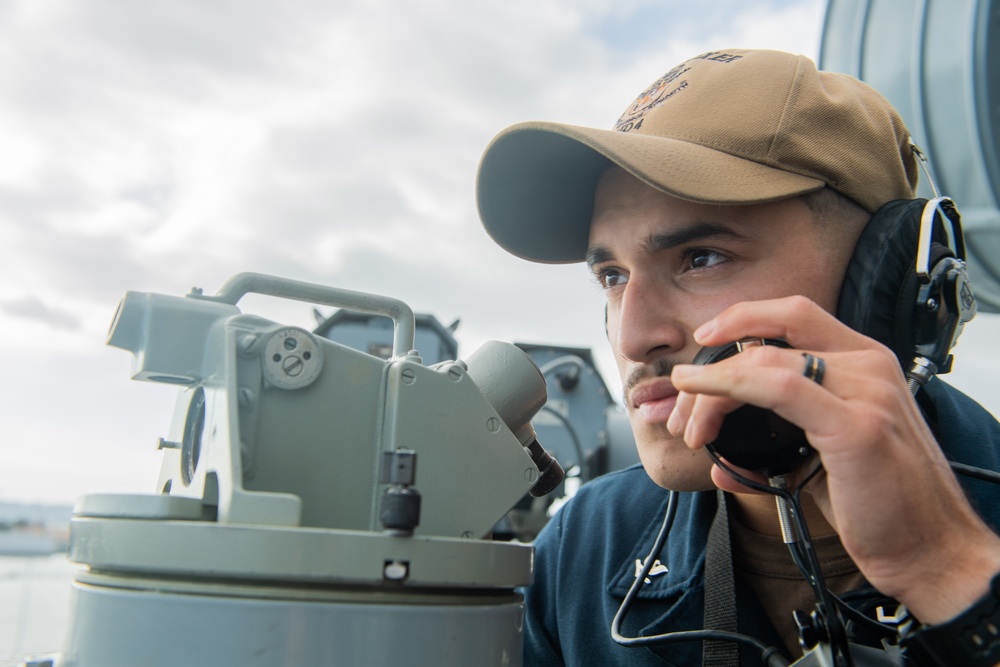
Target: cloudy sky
<point x="156" y="146"/>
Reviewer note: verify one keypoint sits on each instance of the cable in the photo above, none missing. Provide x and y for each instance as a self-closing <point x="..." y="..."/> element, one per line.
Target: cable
<point x="975" y="473"/>
<point x="661" y="538"/>
<point x="829" y="606"/>
<point x="887" y="631"/>
<point x="804" y="556"/>
<point x="770" y="655"/>
<point x="568" y="359"/>
<point x="574" y="439"/>
<point x="580" y="365"/>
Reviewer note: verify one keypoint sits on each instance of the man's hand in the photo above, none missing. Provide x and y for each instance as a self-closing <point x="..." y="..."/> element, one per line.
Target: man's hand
<point x="887" y="488"/>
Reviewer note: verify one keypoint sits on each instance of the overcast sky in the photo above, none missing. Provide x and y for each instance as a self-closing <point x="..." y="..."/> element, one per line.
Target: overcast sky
<point x="156" y="146"/>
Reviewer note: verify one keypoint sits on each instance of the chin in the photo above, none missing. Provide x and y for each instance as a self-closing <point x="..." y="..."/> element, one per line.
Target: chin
<point x="670" y="464"/>
<point x="683" y="483"/>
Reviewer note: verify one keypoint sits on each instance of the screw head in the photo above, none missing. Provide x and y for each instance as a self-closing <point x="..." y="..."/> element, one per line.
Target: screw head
<point x="396" y="570"/>
<point x="247" y="344"/>
<point x="292" y="366"/>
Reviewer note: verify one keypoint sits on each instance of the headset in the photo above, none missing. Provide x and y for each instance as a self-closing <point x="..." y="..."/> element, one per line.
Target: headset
<point x="907" y="285"/>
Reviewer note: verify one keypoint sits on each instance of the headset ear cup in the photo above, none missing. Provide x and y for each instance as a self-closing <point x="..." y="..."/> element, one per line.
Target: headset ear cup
<point x="879" y="294"/>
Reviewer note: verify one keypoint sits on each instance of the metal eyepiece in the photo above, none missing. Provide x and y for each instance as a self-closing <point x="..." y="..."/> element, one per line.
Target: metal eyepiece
<point x="550" y="473"/>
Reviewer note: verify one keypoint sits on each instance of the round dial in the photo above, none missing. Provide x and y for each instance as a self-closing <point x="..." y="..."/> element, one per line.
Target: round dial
<point x="292" y="359"/>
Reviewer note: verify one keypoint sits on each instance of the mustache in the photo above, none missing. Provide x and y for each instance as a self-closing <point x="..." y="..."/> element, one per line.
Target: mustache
<point x="659" y="368"/>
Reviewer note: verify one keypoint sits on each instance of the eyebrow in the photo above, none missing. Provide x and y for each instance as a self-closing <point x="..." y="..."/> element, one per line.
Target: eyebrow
<point x="698" y="231"/>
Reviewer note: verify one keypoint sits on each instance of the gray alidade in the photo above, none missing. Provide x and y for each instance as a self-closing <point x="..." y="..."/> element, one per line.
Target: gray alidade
<point x="316" y="505"/>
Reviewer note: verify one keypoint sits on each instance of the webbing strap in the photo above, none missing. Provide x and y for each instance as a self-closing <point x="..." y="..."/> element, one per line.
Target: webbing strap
<point x="720" y="591"/>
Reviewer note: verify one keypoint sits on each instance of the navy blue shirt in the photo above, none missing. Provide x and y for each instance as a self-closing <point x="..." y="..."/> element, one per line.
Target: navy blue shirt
<point x="586" y="556"/>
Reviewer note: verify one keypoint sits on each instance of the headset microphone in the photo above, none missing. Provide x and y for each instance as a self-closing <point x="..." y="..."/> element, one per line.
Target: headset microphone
<point x="752" y="437"/>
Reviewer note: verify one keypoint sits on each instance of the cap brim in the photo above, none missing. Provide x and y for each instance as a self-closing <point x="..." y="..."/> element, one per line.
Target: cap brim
<point x="535" y="187"/>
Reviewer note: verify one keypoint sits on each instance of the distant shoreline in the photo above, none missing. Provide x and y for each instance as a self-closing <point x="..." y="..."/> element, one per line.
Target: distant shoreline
<point x="31" y="542"/>
<point x="33" y="529"/>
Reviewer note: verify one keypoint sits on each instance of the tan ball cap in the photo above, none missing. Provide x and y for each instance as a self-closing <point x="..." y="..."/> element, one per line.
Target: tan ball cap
<point x="726" y="127"/>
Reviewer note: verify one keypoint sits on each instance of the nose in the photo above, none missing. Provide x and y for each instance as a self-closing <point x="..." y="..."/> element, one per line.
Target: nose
<point x="642" y="324"/>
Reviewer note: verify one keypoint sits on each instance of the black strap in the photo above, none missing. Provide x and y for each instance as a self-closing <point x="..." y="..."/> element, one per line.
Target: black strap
<point x="720" y="591"/>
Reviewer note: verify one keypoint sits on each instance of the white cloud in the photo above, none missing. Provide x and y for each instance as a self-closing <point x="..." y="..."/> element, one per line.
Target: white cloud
<point x="159" y="146"/>
<point x="33" y="308"/>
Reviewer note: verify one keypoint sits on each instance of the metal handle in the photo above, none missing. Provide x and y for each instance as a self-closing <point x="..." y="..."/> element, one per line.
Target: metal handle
<point x="258" y="283"/>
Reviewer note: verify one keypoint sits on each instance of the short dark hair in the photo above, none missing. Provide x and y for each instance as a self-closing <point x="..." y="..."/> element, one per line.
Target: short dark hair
<point x="839" y="218"/>
<point x="829" y="206"/>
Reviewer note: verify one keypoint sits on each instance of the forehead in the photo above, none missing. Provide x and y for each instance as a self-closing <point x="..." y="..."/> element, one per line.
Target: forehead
<point x="627" y="210"/>
<point x="617" y="189"/>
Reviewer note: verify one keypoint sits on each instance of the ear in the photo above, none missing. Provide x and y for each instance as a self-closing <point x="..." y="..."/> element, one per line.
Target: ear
<point x="881" y="290"/>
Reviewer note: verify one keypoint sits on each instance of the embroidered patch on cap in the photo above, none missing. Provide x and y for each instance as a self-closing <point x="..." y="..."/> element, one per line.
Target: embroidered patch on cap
<point x="663" y="89"/>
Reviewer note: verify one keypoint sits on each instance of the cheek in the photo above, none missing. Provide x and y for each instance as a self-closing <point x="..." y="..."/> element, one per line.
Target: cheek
<point x="611" y="330"/>
<point x="808" y="273"/>
<point x="816" y="280"/>
<point x="809" y="266"/>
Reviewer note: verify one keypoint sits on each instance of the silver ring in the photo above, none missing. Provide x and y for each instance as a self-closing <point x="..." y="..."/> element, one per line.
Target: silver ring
<point x="815" y="368"/>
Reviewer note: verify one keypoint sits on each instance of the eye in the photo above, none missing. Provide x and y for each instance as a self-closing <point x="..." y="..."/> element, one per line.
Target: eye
<point x="610" y="278"/>
<point x="703" y="258"/>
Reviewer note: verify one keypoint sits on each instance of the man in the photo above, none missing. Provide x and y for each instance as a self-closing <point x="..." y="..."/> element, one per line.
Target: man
<point x="725" y="206"/>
